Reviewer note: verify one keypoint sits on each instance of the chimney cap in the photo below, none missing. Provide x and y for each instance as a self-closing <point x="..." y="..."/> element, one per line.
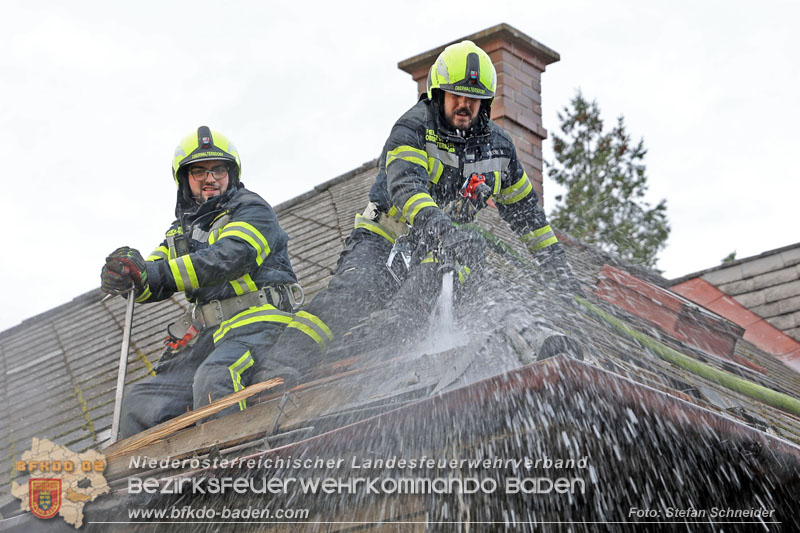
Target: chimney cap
<point x="500" y="31"/>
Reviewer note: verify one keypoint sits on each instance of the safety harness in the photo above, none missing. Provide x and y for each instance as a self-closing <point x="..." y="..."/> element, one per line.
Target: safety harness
<point x="181" y="333"/>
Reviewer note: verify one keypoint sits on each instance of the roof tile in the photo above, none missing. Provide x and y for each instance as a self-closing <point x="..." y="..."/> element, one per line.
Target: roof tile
<point x="770" y="338"/>
<point x="698" y="290"/>
<point x="760" y="266"/>
<point x="762" y="281"/>
<point x="786" y="322"/>
<point x="733" y="311"/>
<point x="725" y="275"/>
<point x="777" y="308"/>
<point x="752" y="300"/>
<point x="791" y="256"/>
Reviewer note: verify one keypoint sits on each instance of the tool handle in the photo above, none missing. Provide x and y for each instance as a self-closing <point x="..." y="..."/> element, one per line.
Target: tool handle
<point x="123" y="364"/>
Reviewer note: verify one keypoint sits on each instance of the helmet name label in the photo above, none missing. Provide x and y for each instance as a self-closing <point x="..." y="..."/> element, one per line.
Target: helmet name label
<point x="467" y="88"/>
<point x="207" y="154"/>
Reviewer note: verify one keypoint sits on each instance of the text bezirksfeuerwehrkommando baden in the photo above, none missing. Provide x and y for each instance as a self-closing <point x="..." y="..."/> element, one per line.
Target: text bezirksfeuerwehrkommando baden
<point x="303" y="479"/>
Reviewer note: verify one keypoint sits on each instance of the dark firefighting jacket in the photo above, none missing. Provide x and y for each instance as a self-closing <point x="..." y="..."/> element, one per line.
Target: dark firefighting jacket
<point x="425" y="163"/>
<point x="230" y="245"/>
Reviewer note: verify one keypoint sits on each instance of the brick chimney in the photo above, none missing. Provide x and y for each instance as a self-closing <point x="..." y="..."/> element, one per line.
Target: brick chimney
<point x="517" y="108"/>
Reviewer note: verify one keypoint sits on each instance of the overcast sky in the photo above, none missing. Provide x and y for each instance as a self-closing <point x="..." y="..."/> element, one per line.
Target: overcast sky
<point x="95" y="95"/>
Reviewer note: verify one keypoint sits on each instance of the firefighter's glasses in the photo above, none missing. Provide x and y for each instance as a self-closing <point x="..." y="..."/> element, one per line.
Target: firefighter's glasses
<point x="199" y="174"/>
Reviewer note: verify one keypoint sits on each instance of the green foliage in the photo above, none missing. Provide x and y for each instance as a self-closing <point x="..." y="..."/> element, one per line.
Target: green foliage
<point x="604" y="176"/>
<point x="730" y="258"/>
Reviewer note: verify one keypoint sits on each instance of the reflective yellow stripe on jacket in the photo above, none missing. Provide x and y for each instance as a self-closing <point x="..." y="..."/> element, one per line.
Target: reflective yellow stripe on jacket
<point x="435" y="169"/>
<point x="410" y="154"/>
<point x="414" y="204"/>
<point x="250" y="235"/>
<point x="183" y="273"/>
<point x="243" y="285"/>
<point x="539" y="238"/>
<point x="162" y="252"/>
<point x="146" y="294"/>
<point x="515" y="192"/>
<point x="363" y="222"/>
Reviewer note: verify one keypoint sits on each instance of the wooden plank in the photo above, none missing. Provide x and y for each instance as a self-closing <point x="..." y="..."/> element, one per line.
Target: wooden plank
<point x="169" y="427"/>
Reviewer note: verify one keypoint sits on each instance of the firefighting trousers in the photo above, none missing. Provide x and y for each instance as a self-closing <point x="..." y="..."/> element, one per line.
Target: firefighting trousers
<point x="200" y="374"/>
<point x="361" y="284"/>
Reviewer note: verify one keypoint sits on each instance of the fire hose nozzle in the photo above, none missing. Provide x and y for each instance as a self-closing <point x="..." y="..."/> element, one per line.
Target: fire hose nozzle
<point x="445" y="264"/>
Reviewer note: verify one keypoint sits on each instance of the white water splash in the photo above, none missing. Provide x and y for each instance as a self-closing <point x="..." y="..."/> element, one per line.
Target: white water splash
<point x="443" y="333"/>
<point x="443" y="313"/>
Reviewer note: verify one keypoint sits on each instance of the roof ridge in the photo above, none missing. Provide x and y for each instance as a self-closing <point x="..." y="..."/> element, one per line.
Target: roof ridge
<point x="734" y="263"/>
<point x="325" y="185"/>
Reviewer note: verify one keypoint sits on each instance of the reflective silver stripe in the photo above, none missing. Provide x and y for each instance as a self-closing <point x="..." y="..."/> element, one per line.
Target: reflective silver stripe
<point x="236" y="370"/>
<point x="239" y="286"/>
<point x="314" y="327"/>
<point x="265" y="313"/>
<point x="363" y="222"/>
<point x="240" y="366"/>
<point x="183" y="280"/>
<point x="540" y="238"/>
<point x="250" y="235"/>
<point x="515" y="192"/>
<point x="200" y="235"/>
<point x="411" y="156"/>
<point x="159" y="254"/>
<point x="216" y="227"/>
<point x="220" y="222"/>
<point x="172" y="253"/>
<point x="487" y="165"/>
<point x="411" y="209"/>
<point x="436" y="168"/>
<point x="448" y="158"/>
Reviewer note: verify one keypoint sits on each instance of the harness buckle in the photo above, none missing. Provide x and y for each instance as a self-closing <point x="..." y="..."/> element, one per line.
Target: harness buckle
<point x="402" y="247"/>
<point x="217" y="306"/>
<point x="291" y="289"/>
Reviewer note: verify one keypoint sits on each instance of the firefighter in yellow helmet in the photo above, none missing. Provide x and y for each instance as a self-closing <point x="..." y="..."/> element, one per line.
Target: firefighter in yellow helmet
<point x="443" y="161"/>
<point x="228" y="254"/>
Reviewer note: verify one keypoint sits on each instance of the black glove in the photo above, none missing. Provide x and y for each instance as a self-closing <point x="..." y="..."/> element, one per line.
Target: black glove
<point x="124" y="269"/>
<point x="556" y="270"/>
<point x="453" y="245"/>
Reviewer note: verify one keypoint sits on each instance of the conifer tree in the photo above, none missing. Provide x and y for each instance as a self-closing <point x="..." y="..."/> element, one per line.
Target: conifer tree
<point x="604" y="176"/>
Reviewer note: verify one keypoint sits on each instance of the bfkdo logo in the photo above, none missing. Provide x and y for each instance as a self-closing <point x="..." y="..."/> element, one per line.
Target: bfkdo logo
<point x="44" y="495"/>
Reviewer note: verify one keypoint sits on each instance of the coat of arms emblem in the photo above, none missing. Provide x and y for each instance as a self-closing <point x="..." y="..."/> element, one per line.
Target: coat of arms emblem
<point x="44" y="495"/>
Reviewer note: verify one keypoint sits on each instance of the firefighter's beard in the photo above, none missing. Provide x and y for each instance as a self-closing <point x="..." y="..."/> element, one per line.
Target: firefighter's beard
<point x="461" y="118"/>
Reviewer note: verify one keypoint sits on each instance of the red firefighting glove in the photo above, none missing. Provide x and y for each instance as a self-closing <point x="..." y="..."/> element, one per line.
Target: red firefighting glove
<point x="124" y="269"/>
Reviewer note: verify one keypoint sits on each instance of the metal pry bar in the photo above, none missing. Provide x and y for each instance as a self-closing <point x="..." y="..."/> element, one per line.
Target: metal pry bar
<point x="123" y="365"/>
